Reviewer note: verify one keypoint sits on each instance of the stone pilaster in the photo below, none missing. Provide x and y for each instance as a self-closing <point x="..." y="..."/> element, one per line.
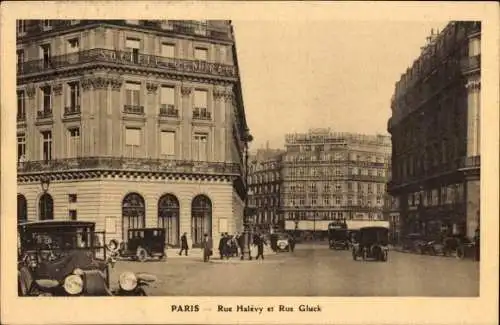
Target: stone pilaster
<point x="152" y="111"/>
<point x="473" y="107"/>
<point x="59" y="143"/>
<point x="472" y="206"/>
<point x="186" y="119"/>
<point x="101" y="88"/>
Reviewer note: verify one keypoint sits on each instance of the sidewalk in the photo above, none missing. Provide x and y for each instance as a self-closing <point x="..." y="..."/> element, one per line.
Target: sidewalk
<point x="197" y="253"/>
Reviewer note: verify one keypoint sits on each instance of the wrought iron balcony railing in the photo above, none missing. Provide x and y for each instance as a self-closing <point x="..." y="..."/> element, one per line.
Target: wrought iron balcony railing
<point x="129" y="164"/>
<point x="133" y="109"/>
<point x="470" y="64"/>
<point x="169" y="111"/>
<point x="44" y="114"/>
<point x="101" y="56"/>
<point x="201" y="114"/>
<point x="72" y="110"/>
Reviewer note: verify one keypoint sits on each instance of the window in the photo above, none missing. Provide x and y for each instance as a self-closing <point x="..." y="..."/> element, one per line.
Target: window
<point x="47" y="145"/>
<point x="133" y="45"/>
<point x="72" y="198"/>
<point x="379" y="200"/>
<point x="223" y="54"/>
<point x="72" y="215"/>
<point x="133" y="137"/>
<point x="338" y="200"/>
<point x="200" y="146"/>
<point x="21" y="147"/>
<point x="47" y="24"/>
<point x="167" y="143"/>
<point x="73" y="45"/>
<point x="21" y="26"/>
<point x="47" y="99"/>
<point x="167" y="98"/>
<point x="369" y="188"/>
<point x="200" y="27"/>
<point x="132" y="95"/>
<point x="201" y="54"/>
<point x="73" y="142"/>
<point x="20" y="59"/>
<point x="168" y="50"/>
<point x="21" y="105"/>
<point x="338" y="187"/>
<point x="73" y="99"/>
<point x="201" y="105"/>
<point x="45" y="55"/>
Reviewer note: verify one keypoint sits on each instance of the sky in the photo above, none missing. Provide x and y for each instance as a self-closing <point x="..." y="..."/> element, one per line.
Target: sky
<point x="298" y="75"/>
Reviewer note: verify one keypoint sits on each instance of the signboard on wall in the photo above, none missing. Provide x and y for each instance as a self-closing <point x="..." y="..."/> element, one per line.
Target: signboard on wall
<point x="110" y="225"/>
<point x="223" y="225"/>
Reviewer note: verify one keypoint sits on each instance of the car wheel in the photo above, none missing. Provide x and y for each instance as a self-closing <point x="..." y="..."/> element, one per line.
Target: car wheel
<point x="142" y="255"/>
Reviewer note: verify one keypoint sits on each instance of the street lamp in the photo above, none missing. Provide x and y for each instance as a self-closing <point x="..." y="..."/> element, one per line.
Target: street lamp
<point x="45" y="183"/>
<point x="420" y="206"/>
<point x="247" y="138"/>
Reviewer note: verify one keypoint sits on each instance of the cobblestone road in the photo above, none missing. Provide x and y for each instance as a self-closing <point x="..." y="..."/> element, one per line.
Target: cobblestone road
<point x="312" y="271"/>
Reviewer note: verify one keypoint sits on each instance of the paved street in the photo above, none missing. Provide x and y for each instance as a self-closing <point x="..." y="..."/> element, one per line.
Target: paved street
<point x="312" y="271"/>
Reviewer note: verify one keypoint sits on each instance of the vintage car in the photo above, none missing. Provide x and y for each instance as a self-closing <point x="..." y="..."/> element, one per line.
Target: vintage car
<point x="282" y="243"/>
<point x="371" y="242"/>
<point x="416" y="243"/>
<point x="68" y="258"/>
<point x="142" y="244"/>
<point x="338" y="237"/>
<point x="458" y="245"/>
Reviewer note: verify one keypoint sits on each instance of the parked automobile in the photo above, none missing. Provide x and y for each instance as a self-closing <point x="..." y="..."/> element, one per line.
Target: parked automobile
<point x="459" y="245"/>
<point x="371" y="242"/>
<point x="416" y="243"/>
<point x="282" y="242"/>
<point x="338" y="237"/>
<point x="68" y="258"/>
<point x="141" y="244"/>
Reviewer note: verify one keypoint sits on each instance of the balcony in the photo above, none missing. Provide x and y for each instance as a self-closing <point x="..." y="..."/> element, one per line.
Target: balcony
<point x="169" y="111"/>
<point x="72" y="111"/>
<point x="201" y="114"/>
<point x="99" y="57"/>
<point x="133" y="109"/>
<point x="44" y="114"/>
<point x="129" y="164"/>
<point x="471" y="64"/>
<point x="470" y="162"/>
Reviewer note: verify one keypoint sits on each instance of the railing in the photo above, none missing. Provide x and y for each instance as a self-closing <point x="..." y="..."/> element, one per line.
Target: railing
<point x="99" y="56"/>
<point x="72" y="110"/>
<point x="133" y="109"/>
<point x="21" y="117"/>
<point x="470" y="64"/>
<point x="169" y="111"/>
<point x="368" y="178"/>
<point x="129" y="164"/>
<point x="186" y="27"/>
<point x="202" y="115"/>
<point x="470" y="162"/>
<point x="44" y="114"/>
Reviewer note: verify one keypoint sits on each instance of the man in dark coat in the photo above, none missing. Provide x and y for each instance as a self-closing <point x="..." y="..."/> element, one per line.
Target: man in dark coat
<point x="260" y="242"/>
<point x="222" y="244"/>
<point x="291" y="242"/>
<point x="207" y="248"/>
<point x="184" y="244"/>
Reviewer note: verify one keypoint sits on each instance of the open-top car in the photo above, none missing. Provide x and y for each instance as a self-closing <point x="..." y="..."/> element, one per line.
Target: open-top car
<point x="282" y="243"/>
<point x="67" y="258"/>
<point x="338" y="237"/>
<point x="371" y="242"/>
<point x="142" y="244"/>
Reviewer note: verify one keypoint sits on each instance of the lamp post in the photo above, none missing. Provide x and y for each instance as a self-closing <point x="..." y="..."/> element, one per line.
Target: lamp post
<point x="420" y="206"/>
<point x="248" y="234"/>
<point x="45" y="183"/>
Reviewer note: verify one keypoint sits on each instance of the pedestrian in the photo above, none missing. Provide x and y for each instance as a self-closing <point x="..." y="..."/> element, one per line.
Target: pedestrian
<point x="221" y="245"/>
<point x="234" y="246"/>
<point x="260" y="242"/>
<point x="241" y="244"/>
<point x="184" y="244"/>
<point x="291" y="242"/>
<point x="477" y="241"/>
<point x="207" y="248"/>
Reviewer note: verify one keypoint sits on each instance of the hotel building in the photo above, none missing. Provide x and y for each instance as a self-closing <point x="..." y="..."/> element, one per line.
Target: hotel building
<point x="333" y="176"/>
<point x="131" y="123"/>
<point x="435" y="128"/>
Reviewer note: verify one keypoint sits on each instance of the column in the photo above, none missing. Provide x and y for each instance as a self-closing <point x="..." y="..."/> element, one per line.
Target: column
<point x="473" y="140"/>
<point x="31" y="111"/>
<point x="472" y="204"/>
<point x="101" y="85"/>
<point x="58" y="127"/>
<point x="186" y="119"/>
<point x="86" y="113"/>
<point x="151" y="109"/>
<point x="114" y="116"/>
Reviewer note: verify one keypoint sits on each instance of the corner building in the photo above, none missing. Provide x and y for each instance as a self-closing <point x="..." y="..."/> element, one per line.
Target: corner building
<point x="334" y="176"/>
<point x="435" y="128"/>
<point x="135" y="123"/>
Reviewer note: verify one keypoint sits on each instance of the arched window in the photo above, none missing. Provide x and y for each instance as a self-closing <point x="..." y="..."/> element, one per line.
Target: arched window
<point x="22" y="208"/>
<point x="168" y="218"/>
<point x="46" y="207"/>
<point x="133" y="213"/>
<point x="201" y="219"/>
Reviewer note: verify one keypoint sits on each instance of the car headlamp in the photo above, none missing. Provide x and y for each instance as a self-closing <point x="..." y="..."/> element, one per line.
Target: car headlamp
<point x="128" y="281"/>
<point x="73" y="284"/>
